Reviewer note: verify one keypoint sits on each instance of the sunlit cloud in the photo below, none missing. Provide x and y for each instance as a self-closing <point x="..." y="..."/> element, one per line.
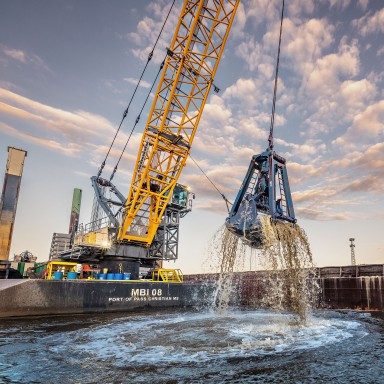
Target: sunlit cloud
<point x="369" y="24"/>
<point x="340" y="4"/>
<point x="143" y="83"/>
<point x="24" y="57"/>
<point x="148" y="29"/>
<point x="366" y="126"/>
<point x="68" y="131"/>
<point x="320" y="215"/>
<point x="16" y="54"/>
<point x="68" y="149"/>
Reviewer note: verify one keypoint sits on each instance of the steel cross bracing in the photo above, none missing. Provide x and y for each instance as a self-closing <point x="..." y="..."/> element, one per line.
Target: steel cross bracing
<point x="187" y="77"/>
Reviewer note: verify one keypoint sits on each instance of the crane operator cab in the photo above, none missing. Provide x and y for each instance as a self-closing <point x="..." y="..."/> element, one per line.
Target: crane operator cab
<point x="180" y="196"/>
<point x="265" y="191"/>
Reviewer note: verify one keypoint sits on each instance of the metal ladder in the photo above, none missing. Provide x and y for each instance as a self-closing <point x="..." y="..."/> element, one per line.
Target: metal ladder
<point x="283" y="203"/>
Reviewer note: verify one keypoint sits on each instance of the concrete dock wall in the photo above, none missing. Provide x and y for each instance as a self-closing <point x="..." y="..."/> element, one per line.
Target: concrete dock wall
<point x="348" y="287"/>
<point x="366" y="292"/>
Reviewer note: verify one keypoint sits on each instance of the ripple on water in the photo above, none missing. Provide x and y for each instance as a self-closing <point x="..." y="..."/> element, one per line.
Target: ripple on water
<point x="190" y="347"/>
<point x="201" y="337"/>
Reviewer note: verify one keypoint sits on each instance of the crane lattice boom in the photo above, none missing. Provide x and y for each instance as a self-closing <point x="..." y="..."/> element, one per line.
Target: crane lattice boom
<point x="186" y="80"/>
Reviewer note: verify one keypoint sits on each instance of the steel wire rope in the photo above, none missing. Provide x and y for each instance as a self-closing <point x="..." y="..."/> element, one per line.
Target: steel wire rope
<point x="214" y="185"/>
<point x="169" y="52"/>
<point x="134" y="92"/>
<point x="270" y="138"/>
<point x="137" y="120"/>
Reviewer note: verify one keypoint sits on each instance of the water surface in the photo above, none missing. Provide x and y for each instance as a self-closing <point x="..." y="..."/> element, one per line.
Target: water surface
<point x="193" y="347"/>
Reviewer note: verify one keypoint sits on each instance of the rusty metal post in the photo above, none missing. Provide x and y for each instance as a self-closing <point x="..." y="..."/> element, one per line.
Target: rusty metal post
<point x="75" y="210"/>
<point x="9" y="197"/>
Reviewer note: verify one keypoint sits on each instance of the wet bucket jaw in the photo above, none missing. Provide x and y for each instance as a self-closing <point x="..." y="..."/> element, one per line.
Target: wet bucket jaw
<point x="251" y="236"/>
<point x="246" y="224"/>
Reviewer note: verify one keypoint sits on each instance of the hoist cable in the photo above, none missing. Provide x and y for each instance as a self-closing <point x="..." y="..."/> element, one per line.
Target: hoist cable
<point x="214" y="186"/>
<point x="134" y="92"/>
<point x="137" y="120"/>
<point x="270" y="138"/>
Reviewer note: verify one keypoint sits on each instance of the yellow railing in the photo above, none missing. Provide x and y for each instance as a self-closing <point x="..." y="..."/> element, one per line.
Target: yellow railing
<point x="167" y="275"/>
<point x="98" y="238"/>
<point x="59" y="266"/>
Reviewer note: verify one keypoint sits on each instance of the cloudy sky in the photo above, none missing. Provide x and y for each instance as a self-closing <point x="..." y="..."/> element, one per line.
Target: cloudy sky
<point x="68" y="69"/>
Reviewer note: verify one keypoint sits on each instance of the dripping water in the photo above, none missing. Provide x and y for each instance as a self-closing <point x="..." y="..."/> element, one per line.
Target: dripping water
<point x="285" y="254"/>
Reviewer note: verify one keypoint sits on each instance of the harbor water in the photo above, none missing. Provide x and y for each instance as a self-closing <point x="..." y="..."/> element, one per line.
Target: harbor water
<point x="250" y="346"/>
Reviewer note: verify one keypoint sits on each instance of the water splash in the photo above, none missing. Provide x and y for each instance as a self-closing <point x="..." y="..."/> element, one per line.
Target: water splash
<point x="226" y="255"/>
<point x="287" y="257"/>
<point x="286" y="254"/>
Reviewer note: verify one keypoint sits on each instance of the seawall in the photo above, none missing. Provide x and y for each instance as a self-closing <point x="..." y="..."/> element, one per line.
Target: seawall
<point x="347" y="287"/>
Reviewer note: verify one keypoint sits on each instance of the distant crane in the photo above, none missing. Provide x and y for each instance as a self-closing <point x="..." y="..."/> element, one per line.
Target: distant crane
<point x="352" y="245"/>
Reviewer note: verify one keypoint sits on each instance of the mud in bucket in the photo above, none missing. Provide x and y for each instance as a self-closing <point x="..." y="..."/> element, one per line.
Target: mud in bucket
<point x="71" y="275"/>
<point x="58" y="275"/>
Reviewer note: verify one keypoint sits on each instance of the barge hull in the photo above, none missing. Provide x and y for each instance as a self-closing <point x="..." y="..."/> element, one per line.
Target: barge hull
<point x="50" y="297"/>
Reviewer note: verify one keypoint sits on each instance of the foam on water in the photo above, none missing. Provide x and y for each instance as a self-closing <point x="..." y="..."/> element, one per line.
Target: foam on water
<point x="204" y="337"/>
<point x="184" y="347"/>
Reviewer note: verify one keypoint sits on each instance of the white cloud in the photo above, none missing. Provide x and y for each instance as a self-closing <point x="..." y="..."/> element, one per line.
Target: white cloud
<point x="330" y="68"/>
<point x="370" y="24"/>
<point x="298" y="7"/>
<point x="363" y="4"/>
<point x="247" y="91"/>
<point x="250" y="51"/>
<point x="263" y="10"/>
<point x="143" y="83"/>
<point x="307" y="150"/>
<point x="69" y="149"/>
<point x="239" y="21"/>
<point x="148" y="29"/>
<point x="331" y="92"/>
<point x="16" y="54"/>
<point x="367" y="126"/>
<point x="23" y="57"/>
<point x="56" y="127"/>
<point x="342" y="4"/>
<point x="304" y="43"/>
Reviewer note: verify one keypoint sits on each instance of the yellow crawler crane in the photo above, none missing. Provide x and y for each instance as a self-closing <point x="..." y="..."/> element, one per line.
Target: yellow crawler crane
<point x="142" y="230"/>
<point x="186" y="80"/>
